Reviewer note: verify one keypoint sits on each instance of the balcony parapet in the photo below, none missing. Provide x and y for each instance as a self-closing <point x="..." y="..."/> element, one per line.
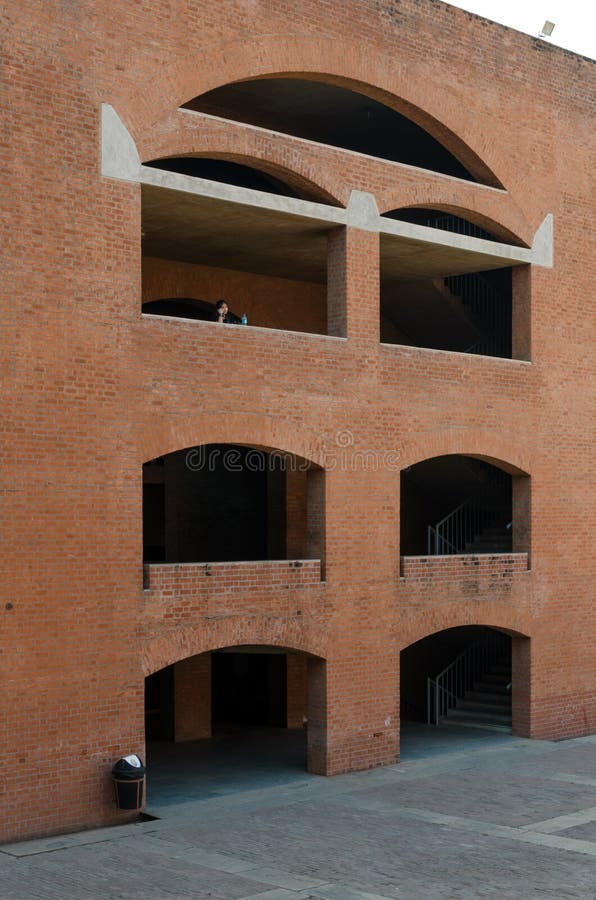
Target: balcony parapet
<point x="463" y="565"/>
<point x="498" y="577"/>
<point x="186" y="592"/>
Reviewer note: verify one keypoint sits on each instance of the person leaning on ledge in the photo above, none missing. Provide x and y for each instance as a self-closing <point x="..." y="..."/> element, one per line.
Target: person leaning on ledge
<point x="223" y="314"/>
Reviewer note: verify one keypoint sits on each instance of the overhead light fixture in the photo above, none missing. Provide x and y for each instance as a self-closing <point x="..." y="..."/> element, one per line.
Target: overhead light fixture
<point x="547" y="29"/>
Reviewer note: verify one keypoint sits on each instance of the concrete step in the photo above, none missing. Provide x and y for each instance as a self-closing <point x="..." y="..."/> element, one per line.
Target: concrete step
<point x="494" y="687"/>
<point x="474" y="723"/>
<point x="502" y="699"/>
<point x="484" y="709"/>
<point x="480" y="716"/>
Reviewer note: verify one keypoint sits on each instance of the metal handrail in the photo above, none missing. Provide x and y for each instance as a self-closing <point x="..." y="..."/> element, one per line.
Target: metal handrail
<point x="488" y="308"/>
<point x="484" y="301"/>
<point x="449" y="687"/>
<point x="455" y="531"/>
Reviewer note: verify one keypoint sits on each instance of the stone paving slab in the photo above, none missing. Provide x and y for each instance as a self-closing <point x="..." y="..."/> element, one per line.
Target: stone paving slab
<point x="503" y="822"/>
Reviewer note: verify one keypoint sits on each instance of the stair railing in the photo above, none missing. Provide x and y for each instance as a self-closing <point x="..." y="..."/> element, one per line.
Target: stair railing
<point x="449" y="687"/>
<point x="458" y="529"/>
<point x="489" y="309"/>
<point x="484" y="302"/>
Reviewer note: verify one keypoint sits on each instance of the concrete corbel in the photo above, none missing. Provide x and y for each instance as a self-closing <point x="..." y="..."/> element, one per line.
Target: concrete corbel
<point x="119" y="156"/>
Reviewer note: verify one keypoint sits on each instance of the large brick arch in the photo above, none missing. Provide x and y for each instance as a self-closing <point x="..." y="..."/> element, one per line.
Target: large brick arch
<point x="266" y="631"/>
<point x="442" y="111"/>
<point x="267" y="432"/>
<point x="505" y="453"/>
<point x="508" y="224"/>
<point x="515" y="622"/>
<point x="302" y="171"/>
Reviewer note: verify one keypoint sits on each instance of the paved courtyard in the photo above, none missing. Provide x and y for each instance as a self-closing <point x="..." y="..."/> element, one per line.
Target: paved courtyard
<point x="468" y="813"/>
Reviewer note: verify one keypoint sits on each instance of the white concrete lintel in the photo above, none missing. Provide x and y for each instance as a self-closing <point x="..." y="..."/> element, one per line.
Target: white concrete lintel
<point x="437" y="236"/>
<point x="230" y="193"/>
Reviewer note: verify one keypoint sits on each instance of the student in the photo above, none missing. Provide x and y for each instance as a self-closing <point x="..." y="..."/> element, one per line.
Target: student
<point x="223" y="314"/>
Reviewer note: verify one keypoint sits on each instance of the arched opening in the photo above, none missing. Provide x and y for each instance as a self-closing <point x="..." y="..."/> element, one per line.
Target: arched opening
<point x="330" y="114"/>
<point x="230" y="720"/>
<point x="459" y="504"/>
<point x="462" y="686"/>
<point x="456" y="309"/>
<point x="230" y="502"/>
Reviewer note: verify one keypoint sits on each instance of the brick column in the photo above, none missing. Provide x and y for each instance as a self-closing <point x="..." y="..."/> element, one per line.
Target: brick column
<point x="521" y="697"/>
<point x="353" y="307"/>
<point x="315" y="516"/>
<point x="353" y="713"/>
<point x="295" y="514"/>
<point x="521" y="514"/>
<point x="297" y="671"/>
<point x="192" y="698"/>
<point x="521" y="312"/>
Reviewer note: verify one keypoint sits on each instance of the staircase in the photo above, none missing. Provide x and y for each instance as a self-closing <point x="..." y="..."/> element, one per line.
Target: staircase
<point x="488" y="702"/>
<point x="481" y="524"/>
<point x="475" y="689"/>
<point x="488" y="308"/>
<point x="494" y="538"/>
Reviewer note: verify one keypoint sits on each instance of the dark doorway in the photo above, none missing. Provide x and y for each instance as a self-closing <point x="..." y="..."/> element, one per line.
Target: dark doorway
<point x="248" y="689"/>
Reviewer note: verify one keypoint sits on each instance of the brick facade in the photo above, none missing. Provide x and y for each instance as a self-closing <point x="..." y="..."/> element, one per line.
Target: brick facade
<point x="92" y="389"/>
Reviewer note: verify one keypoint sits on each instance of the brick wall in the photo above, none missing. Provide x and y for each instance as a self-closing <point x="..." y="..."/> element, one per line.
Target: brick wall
<point x="91" y="390"/>
<point x="182" y="593"/>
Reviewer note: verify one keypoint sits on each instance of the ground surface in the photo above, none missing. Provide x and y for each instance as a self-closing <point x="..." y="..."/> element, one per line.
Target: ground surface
<point x="468" y="813"/>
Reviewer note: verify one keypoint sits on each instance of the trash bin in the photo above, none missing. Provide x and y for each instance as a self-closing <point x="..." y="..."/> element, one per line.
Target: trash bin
<point x="128" y="775"/>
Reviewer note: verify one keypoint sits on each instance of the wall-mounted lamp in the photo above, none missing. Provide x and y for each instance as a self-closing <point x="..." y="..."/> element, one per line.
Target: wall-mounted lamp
<point x="547" y="29"/>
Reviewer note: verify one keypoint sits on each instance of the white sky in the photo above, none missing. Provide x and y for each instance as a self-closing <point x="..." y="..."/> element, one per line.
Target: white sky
<point x="575" y="20"/>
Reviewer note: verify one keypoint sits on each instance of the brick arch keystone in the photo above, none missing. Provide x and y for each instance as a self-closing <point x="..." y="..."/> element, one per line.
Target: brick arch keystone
<point x="444" y="113"/>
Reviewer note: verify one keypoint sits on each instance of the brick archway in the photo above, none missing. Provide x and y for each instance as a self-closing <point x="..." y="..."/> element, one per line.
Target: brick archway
<point x="505" y="453"/>
<point x="508" y="621"/>
<point x="507" y="223"/>
<point x="348" y="64"/>
<point x="260" y="431"/>
<point x="183" y="643"/>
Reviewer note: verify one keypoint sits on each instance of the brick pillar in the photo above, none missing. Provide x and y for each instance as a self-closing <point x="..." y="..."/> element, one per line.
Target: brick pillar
<point x="276" y="515"/>
<point x="297" y="666"/>
<point x="295" y="514"/>
<point x="351" y="730"/>
<point x="192" y="698"/>
<point x="521" y="696"/>
<point x="353" y="308"/>
<point x="316" y="752"/>
<point x="520" y="514"/>
<point x="315" y="516"/>
<point x="521" y="333"/>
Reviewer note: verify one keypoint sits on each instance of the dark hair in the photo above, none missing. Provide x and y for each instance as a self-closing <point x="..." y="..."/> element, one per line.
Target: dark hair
<point x="221" y="303"/>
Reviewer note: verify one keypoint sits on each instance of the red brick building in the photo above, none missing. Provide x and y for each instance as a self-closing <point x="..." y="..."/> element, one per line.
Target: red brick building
<point x="399" y="444"/>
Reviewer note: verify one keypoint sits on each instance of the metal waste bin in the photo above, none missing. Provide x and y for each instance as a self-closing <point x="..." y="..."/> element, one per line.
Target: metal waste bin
<point x="128" y="775"/>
